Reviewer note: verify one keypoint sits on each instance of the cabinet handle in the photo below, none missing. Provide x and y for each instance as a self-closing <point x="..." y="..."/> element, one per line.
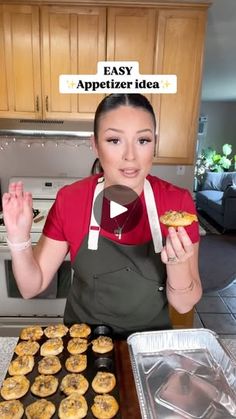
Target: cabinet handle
<point x="37" y="103"/>
<point x="47" y="103"/>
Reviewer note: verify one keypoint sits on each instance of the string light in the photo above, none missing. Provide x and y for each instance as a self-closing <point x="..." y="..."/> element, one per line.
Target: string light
<point x="6" y="142"/>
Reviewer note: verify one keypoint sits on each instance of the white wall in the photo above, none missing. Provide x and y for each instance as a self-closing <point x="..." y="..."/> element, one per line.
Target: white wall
<point x="18" y="160"/>
<point x="221" y="126"/>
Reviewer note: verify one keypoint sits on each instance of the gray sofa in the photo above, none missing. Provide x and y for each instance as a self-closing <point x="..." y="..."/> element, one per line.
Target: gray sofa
<point x="217" y="198"/>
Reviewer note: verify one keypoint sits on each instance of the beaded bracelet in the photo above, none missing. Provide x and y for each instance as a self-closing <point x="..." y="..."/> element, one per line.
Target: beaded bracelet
<point x="18" y="247"/>
<point x="181" y="290"/>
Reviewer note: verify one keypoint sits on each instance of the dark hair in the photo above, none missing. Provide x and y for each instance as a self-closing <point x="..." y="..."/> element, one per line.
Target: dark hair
<point x="113" y="101"/>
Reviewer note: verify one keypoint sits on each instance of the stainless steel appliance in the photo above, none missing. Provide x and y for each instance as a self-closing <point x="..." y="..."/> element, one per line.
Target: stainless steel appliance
<point x="48" y="307"/>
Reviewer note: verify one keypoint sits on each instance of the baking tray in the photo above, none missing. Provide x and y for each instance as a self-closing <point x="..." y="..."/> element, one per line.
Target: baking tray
<point x="95" y="362"/>
<point x="183" y="374"/>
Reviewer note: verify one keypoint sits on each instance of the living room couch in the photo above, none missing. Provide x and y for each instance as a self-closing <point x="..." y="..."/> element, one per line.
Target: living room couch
<point x="217" y="198"/>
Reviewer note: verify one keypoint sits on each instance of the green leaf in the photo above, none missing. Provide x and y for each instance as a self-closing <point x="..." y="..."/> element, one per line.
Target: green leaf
<point x="227" y="149"/>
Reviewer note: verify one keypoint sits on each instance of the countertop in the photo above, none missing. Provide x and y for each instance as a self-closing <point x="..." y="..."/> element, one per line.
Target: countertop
<point x="130" y="404"/>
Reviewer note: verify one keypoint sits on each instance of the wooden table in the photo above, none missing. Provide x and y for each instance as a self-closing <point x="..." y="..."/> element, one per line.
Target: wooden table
<point x="129" y="405"/>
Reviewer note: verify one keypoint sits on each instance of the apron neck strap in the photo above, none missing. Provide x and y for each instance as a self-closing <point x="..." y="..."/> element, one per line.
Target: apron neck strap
<point x="94" y="227"/>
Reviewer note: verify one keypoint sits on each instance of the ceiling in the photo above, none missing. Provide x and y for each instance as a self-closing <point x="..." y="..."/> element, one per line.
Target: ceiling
<point x="219" y="73"/>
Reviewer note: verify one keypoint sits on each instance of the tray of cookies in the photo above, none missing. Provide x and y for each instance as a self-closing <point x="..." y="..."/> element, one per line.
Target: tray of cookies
<point x="62" y="372"/>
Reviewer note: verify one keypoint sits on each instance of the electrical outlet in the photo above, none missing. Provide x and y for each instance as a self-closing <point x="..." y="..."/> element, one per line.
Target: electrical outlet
<point x="180" y="170"/>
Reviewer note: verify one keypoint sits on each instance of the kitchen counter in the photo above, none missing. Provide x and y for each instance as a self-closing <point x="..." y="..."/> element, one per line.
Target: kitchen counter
<point x="129" y="405"/>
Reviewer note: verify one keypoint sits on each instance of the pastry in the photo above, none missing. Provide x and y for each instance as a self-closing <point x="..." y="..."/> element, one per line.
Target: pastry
<point x="11" y="409"/>
<point x="27" y="347"/>
<point x="44" y="385"/>
<point x="21" y="365"/>
<point x="49" y="365"/>
<point x="77" y="346"/>
<point x="14" y="387"/>
<point x="74" y="383"/>
<point x="41" y="409"/>
<point x="105" y="406"/>
<point x="102" y="344"/>
<point x="52" y="346"/>
<point x="177" y="218"/>
<point x="31" y="333"/>
<point x="80" y="330"/>
<point x="56" y="331"/>
<point x="73" y="407"/>
<point x="76" y="363"/>
<point x="103" y="382"/>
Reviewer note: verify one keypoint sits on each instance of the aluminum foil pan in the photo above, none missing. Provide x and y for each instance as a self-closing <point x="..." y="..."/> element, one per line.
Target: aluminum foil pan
<point x="183" y="374"/>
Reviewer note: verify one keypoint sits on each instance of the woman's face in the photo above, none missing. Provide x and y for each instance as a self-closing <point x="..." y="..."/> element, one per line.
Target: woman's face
<point x="125" y="146"/>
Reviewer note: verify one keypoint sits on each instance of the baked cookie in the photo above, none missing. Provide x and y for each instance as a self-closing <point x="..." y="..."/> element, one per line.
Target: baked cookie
<point x="102" y="344"/>
<point x="49" y="365"/>
<point x="44" y="385"/>
<point x="21" y="365"/>
<point x="177" y="218"/>
<point x="76" y="363"/>
<point x="74" y="383"/>
<point x="11" y="409"/>
<point x="79" y="330"/>
<point x="56" y="331"/>
<point x="103" y="382"/>
<point x="41" y="409"/>
<point x="105" y="407"/>
<point x="14" y="387"/>
<point x="53" y="346"/>
<point x="27" y="347"/>
<point x="31" y="333"/>
<point x="77" y="346"/>
<point x="73" y="407"/>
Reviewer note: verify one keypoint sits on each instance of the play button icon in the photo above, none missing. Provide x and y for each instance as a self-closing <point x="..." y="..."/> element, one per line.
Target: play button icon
<point x="118" y="209"/>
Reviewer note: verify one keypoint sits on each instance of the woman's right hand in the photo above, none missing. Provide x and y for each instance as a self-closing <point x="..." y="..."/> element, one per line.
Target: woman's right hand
<point x="17" y="212"/>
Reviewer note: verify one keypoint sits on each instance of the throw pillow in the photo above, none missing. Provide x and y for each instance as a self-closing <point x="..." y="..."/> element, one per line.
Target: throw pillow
<point x="212" y="181"/>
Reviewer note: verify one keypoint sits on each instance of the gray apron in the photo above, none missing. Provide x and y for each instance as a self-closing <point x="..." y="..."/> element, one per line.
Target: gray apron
<point x="119" y="285"/>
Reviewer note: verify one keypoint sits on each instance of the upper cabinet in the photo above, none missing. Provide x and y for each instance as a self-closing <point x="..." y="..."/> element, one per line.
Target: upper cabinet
<point x="73" y="41"/>
<point x="42" y="41"/>
<point x="20" y="83"/>
<point x="179" y="50"/>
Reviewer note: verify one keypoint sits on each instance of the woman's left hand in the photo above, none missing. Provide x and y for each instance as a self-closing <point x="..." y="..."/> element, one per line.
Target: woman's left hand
<point x="178" y="247"/>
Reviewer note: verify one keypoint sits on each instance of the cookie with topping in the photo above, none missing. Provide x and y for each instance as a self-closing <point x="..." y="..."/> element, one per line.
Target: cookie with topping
<point x="31" y="333"/>
<point x="11" y="409"/>
<point x="27" y="347"/>
<point x="105" y="406"/>
<point x="49" y="365"/>
<point x="14" y="387"/>
<point x="79" y="330"/>
<point x="41" y="409"/>
<point x="73" y="407"/>
<point x="103" y="382"/>
<point x="53" y="346"/>
<point x="177" y="218"/>
<point x="102" y="344"/>
<point x="21" y="365"/>
<point x="77" y="346"/>
<point x="74" y="383"/>
<point x="56" y="330"/>
<point x="76" y="363"/>
<point x="44" y="385"/>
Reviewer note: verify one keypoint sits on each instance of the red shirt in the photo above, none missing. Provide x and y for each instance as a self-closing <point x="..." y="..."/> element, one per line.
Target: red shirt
<point x="69" y="218"/>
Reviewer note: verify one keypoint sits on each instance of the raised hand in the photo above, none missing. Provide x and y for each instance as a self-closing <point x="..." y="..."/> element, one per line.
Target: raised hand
<point x="17" y="212"/>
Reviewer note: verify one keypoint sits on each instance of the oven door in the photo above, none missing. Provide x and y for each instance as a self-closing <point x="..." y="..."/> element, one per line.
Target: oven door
<point x="50" y="303"/>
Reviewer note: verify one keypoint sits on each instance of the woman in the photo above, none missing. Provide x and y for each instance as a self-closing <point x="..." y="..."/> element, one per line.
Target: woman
<point x="129" y="279"/>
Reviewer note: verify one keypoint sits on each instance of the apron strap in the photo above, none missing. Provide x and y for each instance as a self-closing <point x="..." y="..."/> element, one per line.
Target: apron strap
<point x="153" y="217"/>
<point x="94" y="226"/>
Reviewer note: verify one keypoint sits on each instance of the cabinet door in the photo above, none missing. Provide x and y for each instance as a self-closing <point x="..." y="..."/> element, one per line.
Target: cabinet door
<point x="131" y="36"/>
<point x="20" y="85"/>
<point x="179" y="50"/>
<point x="73" y="41"/>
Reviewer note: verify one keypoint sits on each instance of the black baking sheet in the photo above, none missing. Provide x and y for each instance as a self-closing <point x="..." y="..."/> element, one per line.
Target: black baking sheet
<point x="95" y="362"/>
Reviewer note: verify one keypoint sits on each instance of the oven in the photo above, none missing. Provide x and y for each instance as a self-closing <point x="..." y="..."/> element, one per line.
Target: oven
<point x="47" y="307"/>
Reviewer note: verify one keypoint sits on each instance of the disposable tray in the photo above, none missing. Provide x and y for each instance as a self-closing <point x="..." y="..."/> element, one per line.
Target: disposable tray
<point x="183" y="374"/>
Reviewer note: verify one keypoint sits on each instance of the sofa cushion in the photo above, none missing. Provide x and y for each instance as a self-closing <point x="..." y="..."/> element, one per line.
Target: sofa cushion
<point x="205" y="196"/>
<point x="218" y="181"/>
